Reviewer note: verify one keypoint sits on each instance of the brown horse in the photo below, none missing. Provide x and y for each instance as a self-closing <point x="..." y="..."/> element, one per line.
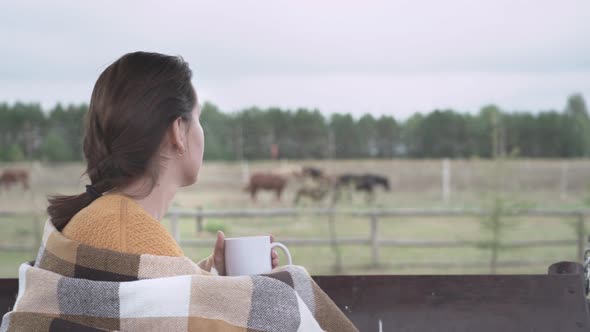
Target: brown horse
<point x="314" y="184"/>
<point x="316" y="194"/>
<point x="13" y="176"/>
<point x="266" y="181"/>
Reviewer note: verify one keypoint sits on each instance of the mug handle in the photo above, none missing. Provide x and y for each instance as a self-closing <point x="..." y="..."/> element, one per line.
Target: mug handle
<point x="285" y="250"/>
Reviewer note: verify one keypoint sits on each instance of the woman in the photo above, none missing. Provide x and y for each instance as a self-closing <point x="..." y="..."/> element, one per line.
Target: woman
<point x="106" y="262"/>
<point x="143" y="141"/>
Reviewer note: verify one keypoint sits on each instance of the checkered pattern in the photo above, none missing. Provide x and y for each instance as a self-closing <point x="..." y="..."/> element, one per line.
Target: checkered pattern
<point x="75" y="287"/>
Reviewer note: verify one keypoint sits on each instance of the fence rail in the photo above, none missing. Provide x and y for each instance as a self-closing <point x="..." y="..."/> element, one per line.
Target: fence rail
<point x="374" y="217"/>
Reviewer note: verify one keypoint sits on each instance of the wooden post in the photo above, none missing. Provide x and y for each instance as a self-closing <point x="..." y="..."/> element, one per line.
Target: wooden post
<point x="563" y="180"/>
<point x="174" y="227"/>
<point x="331" y="144"/>
<point x="581" y="237"/>
<point x="334" y="242"/>
<point x="446" y="179"/>
<point x="245" y="171"/>
<point x="374" y="244"/>
<point x="199" y="220"/>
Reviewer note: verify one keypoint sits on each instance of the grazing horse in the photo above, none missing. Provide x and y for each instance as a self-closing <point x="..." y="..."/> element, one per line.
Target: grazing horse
<point x="13" y="176"/>
<point x="315" y="193"/>
<point x="365" y="182"/>
<point x="315" y="184"/>
<point x="266" y="181"/>
<point x="317" y="189"/>
<point x="312" y="172"/>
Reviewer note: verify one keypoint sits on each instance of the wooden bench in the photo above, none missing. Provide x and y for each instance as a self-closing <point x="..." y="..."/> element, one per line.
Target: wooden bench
<point x="552" y="302"/>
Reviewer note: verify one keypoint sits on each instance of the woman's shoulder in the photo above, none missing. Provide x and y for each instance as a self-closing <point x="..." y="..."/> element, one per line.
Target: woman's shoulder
<point x="146" y="235"/>
<point x="96" y="225"/>
<point x="118" y="223"/>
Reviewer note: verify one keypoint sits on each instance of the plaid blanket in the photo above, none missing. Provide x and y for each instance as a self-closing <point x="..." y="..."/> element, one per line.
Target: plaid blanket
<point x="75" y="287"/>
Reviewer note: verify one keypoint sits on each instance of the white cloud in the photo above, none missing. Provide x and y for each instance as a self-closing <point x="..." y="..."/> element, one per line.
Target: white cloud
<point x="401" y="95"/>
<point x="379" y="56"/>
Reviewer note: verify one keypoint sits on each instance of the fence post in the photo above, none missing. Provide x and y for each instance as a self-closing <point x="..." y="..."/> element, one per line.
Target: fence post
<point x="446" y="180"/>
<point x="581" y="237"/>
<point x="374" y="244"/>
<point x="199" y="219"/>
<point x="334" y="242"/>
<point x="563" y="179"/>
<point x="174" y="227"/>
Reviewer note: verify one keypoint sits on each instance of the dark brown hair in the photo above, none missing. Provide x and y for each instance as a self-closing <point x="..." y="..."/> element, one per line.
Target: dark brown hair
<point x="133" y="103"/>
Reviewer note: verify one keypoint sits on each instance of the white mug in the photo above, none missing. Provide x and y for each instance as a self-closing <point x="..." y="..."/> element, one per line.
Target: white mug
<point x="250" y="255"/>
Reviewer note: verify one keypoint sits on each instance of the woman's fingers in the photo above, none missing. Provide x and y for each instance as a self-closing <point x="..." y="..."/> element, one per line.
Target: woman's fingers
<point x="219" y="253"/>
<point x="275" y="258"/>
<point x="220" y="244"/>
<point x="273" y="254"/>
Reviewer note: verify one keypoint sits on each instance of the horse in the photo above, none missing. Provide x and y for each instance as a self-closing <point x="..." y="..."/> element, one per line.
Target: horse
<point x="366" y="182"/>
<point x="316" y="194"/>
<point x="266" y="181"/>
<point x="314" y="184"/>
<point x="312" y="172"/>
<point x="10" y="177"/>
<point x="363" y="182"/>
<point x="316" y="189"/>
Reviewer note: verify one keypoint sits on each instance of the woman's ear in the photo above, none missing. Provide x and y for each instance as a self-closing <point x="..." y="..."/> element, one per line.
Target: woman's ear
<point x="177" y="135"/>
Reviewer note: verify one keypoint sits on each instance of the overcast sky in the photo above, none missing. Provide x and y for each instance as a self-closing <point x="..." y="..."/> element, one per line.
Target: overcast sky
<point x="383" y="57"/>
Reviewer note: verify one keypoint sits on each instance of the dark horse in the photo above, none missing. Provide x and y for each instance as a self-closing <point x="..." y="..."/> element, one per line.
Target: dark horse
<point x="266" y="181"/>
<point x="13" y="176"/>
<point x="363" y="182"/>
<point x="312" y="172"/>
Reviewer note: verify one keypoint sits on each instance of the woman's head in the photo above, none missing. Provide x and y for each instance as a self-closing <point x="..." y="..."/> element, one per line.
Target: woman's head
<point x="143" y="117"/>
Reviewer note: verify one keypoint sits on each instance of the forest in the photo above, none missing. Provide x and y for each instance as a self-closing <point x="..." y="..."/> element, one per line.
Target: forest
<point x="29" y="132"/>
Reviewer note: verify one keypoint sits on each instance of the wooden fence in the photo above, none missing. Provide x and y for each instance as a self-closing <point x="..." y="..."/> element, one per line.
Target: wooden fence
<point x="373" y="217"/>
<point x="36" y="232"/>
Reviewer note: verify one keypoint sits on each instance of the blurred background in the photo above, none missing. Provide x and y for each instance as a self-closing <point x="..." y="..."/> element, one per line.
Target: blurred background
<point x="414" y="137"/>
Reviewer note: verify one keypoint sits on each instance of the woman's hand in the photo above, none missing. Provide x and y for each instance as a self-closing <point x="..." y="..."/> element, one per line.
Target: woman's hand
<point x="219" y="254"/>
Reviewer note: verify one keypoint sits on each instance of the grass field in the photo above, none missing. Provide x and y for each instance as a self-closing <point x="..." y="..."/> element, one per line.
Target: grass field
<point x="527" y="183"/>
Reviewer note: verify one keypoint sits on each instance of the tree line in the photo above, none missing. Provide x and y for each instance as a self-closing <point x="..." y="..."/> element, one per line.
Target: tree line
<point x="27" y="132"/>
